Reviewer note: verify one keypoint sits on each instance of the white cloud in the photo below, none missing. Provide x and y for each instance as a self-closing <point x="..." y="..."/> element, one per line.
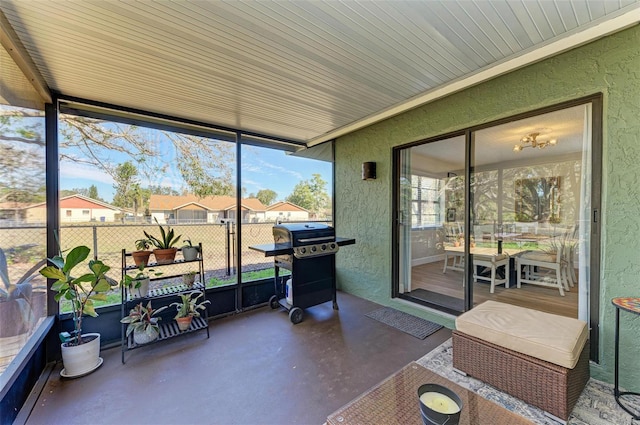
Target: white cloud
<point x="281" y="169"/>
<point x="84" y="172"/>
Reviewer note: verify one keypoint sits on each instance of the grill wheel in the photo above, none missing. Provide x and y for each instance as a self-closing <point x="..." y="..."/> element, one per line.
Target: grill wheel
<point x="273" y="302"/>
<point x="295" y="315"/>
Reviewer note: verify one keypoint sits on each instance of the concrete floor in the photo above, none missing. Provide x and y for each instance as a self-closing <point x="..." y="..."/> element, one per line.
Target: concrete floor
<point x="257" y="368"/>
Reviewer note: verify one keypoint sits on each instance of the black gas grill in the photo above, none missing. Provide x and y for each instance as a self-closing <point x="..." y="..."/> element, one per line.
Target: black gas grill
<point x="308" y="251"/>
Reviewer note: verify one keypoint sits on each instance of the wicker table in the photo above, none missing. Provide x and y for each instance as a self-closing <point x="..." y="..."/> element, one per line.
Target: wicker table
<point x="395" y="401"/>
<point x="631" y="305"/>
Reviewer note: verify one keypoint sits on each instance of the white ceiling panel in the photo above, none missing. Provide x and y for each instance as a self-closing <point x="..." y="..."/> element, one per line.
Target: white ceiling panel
<point x="297" y="70"/>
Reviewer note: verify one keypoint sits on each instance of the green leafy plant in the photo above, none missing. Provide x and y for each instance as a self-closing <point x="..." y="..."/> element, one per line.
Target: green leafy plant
<point x="141" y="319"/>
<point x="189" y="304"/>
<point x="81" y="291"/>
<point x="190" y="245"/>
<point x="167" y="238"/>
<point x="135" y="281"/>
<point x="143" y="244"/>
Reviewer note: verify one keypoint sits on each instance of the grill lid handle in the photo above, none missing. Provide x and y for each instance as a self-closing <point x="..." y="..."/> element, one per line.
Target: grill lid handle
<point x="322" y="239"/>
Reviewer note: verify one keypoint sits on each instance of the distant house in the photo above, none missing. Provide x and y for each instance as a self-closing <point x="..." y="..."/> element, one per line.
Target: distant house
<point x="286" y="211"/>
<point x="13" y="211"/>
<point x="212" y="209"/>
<point x="73" y="209"/>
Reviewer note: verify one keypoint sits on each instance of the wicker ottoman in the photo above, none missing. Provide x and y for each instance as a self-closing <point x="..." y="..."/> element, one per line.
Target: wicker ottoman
<point x="518" y="368"/>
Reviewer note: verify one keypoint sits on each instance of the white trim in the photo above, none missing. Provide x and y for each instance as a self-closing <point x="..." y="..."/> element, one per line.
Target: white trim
<point x="427" y="260"/>
<point x="625" y="19"/>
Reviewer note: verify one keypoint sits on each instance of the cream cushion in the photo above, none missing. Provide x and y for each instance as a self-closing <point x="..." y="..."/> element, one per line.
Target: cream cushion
<point x="555" y="339"/>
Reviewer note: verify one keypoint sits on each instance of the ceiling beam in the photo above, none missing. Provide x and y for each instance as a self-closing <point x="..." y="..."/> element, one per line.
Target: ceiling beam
<point x="10" y="41"/>
<point x="628" y="17"/>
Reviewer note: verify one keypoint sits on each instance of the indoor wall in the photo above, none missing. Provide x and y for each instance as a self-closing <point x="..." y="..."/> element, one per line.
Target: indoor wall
<point x="607" y="66"/>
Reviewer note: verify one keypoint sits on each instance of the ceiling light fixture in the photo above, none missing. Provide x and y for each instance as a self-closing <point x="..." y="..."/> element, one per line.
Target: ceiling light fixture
<point x="531" y="141"/>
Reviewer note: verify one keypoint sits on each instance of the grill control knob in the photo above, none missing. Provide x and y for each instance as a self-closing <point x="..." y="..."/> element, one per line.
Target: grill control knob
<point x="323" y="247"/>
<point x="332" y="246"/>
<point x="303" y="250"/>
<point x="314" y="248"/>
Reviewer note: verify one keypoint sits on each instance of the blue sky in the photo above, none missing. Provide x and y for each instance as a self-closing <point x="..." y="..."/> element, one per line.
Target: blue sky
<point x="261" y="169"/>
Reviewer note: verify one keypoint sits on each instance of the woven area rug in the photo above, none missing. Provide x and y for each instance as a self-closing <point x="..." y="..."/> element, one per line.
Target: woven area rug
<point x="414" y="326"/>
<point x="596" y="405"/>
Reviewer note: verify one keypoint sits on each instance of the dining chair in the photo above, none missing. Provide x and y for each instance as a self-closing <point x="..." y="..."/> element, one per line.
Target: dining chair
<point x="547" y="267"/>
<point x="492" y="263"/>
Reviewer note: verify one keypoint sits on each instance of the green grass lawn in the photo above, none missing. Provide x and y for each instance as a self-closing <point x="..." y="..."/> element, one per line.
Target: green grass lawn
<point x="246" y="277"/>
<point x="113" y="297"/>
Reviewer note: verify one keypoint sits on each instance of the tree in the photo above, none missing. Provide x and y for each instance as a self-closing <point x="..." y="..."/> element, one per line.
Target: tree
<point x="93" y="192"/>
<point x="204" y="165"/>
<point x="126" y="185"/>
<point x="266" y="196"/>
<point x="162" y="190"/>
<point x="311" y="194"/>
<point x="22" y="165"/>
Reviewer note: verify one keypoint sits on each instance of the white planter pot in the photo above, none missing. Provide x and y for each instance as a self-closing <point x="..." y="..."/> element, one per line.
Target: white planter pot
<point x="190" y="253"/>
<point x="142" y="337"/>
<point x="81" y="359"/>
<point x="142" y="290"/>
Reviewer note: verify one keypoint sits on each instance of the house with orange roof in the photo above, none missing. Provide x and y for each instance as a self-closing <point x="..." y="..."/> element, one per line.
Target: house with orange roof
<point x="286" y="211"/>
<point x="73" y="209"/>
<point x="212" y="209"/>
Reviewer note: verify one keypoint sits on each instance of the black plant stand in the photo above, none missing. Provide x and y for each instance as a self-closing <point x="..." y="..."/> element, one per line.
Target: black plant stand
<point x="631" y="305"/>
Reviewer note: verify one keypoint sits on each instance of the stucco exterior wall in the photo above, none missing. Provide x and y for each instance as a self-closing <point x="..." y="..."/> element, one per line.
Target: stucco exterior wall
<point x="610" y="66"/>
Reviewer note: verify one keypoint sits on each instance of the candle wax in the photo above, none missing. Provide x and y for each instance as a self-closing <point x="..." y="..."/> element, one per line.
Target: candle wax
<point x="439" y="403"/>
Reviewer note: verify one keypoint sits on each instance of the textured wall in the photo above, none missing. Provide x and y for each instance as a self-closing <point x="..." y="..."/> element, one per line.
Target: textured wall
<point x="610" y="66"/>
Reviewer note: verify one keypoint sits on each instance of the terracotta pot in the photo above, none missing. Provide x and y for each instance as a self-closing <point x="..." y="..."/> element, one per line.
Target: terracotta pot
<point x="165" y="256"/>
<point x="184" y="322"/>
<point x="188" y="279"/>
<point x="141" y="257"/>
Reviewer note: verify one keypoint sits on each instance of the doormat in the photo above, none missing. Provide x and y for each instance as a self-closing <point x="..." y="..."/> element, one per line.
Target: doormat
<point x="442" y="300"/>
<point x="414" y="326"/>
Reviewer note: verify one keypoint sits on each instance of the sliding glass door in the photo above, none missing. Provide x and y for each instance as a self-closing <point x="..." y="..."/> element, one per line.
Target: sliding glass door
<point x="523" y="230"/>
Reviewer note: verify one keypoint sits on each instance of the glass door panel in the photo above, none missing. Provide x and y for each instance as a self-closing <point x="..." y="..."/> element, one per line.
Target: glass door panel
<point x="430" y="225"/>
<point x="528" y="186"/>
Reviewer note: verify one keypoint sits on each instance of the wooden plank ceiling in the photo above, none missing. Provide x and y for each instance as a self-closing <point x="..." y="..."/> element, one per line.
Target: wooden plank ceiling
<point x="296" y="70"/>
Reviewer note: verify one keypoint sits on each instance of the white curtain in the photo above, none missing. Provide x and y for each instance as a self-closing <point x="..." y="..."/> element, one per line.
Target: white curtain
<point x="404" y="222"/>
<point x="584" y="230"/>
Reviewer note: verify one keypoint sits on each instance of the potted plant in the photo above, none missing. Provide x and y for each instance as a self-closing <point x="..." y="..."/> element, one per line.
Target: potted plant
<point x="190" y="252"/>
<point x="188" y="308"/>
<point x="165" y="251"/>
<point x="138" y="285"/>
<point x="80" y="353"/>
<point x="141" y="256"/>
<point x="17" y="314"/>
<point x="142" y="323"/>
<point x="189" y="278"/>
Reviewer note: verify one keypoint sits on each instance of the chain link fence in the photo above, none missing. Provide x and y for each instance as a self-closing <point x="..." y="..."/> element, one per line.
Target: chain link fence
<point x="25" y="246"/>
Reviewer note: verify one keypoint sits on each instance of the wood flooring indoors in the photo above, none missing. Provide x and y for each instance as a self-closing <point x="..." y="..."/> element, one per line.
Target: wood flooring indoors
<point x="430" y="277"/>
